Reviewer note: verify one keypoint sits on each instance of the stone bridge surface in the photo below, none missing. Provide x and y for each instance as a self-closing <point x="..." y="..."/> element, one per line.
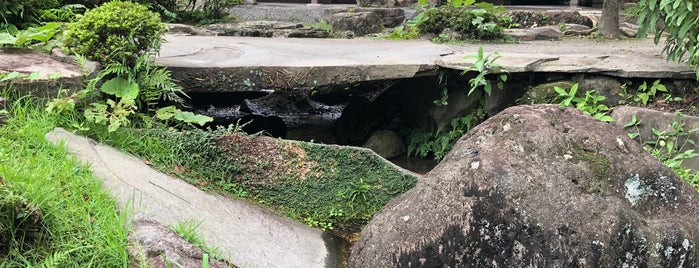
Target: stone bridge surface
<point x="225" y="64"/>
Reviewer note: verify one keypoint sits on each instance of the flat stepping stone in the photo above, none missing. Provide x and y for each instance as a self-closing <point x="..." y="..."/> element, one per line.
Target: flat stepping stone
<point x="43" y="73"/>
<point x="248" y="235"/>
<point x="627" y="66"/>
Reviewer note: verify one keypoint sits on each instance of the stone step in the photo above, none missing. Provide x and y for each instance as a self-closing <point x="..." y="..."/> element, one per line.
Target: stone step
<point x="248" y="235"/>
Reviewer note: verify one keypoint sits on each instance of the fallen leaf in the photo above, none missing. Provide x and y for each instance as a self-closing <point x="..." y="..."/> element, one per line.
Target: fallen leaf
<point x="179" y="169"/>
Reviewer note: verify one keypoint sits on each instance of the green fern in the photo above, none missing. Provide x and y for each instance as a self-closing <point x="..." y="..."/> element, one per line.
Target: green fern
<point x="56" y="259"/>
<point x="439" y="142"/>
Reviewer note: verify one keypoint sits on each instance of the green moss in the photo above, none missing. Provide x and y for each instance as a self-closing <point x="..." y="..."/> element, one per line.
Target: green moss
<point x="544" y="93"/>
<point x="347" y="187"/>
<point x="598" y="163"/>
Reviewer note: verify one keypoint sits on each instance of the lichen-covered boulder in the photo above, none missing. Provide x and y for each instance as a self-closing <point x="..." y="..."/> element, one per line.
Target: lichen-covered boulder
<point x="361" y="23"/>
<point x="539" y="186"/>
<point x="386" y="143"/>
<point x="154" y="245"/>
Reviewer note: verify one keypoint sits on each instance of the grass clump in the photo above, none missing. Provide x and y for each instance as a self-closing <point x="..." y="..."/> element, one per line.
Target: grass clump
<point x="80" y="226"/>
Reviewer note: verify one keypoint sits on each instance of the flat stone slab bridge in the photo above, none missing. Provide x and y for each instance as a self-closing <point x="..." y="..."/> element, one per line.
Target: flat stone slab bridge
<point x="224" y="64"/>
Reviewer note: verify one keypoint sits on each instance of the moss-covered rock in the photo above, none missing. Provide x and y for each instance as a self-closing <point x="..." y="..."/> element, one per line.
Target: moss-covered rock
<point x="325" y="186"/>
<point x="544" y="93"/>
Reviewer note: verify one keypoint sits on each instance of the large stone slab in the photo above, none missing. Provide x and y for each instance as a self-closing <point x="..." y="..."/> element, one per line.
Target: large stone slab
<point x="627" y="66"/>
<point x="225" y="64"/>
<point x="217" y="63"/>
<point x="53" y="71"/>
<point x="266" y="29"/>
<point x="390" y="17"/>
<point x="248" y="235"/>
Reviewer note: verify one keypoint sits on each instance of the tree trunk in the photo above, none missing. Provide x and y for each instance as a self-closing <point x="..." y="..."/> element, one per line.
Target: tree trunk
<point x="609" y="22"/>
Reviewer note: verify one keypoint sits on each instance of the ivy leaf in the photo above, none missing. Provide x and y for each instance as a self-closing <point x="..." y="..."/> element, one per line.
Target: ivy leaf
<point x="190" y="117"/>
<point x="7" y="39"/>
<point x="171" y="112"/>
<point x="121" y="88"/>
<point x="10" y="76"/>
<point x="166" y="113"/>
<point x="634" y="122"/>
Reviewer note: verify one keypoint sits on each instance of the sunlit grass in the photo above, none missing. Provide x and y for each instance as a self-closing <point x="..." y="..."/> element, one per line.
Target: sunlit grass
<point x="81" y="222"/>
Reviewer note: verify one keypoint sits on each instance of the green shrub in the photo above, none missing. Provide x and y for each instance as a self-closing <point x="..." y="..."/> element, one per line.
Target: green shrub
<point x="485" y="22"/>
<point x="115" y="32"/>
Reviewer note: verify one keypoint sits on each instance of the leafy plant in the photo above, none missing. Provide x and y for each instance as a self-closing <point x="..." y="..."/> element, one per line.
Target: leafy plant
<point x="668" y="146"/>
<point x="485" y="65"/>
<point x="438" y="142"/>
<point x="32" y="36"/>
<point x="679" y="20"/>
<point x="173" y="113"/>
<point x="66" y="13"/>
<point x="19" y="14"/>
<point x="590" y="104"/>
<point x="115" y="32"/>
<point x="212" y="11"/>
<point x="645" y="94"/>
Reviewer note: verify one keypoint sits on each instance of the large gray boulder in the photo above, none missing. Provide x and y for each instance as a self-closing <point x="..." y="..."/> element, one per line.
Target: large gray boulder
<point x="44" y="74"/>
<point x="266" y="29"/>
<point x="551" y="33"/>
<point x="386" y="143"/>
<point x="360" y="23"/>
<point x="376" y="3"/>
<point x="390" y="17"/>
<point x="607" y="86"/>
<point x="539" y="186"/>
<point x="534" y="18"/>
<point x="160" y="247"/>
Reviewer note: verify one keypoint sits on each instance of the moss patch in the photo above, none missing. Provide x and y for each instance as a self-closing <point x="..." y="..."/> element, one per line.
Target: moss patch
<point x="599" y="164"/>
<point x="544" y="93"/>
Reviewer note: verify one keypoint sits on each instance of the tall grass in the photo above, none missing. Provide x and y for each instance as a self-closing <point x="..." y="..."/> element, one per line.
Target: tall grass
<point x="82" y="225"/>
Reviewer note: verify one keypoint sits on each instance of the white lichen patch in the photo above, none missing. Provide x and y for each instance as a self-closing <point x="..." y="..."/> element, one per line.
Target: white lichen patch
<point x="620" y="143"/>
<point x="506" y="127"/>
<point x="567" y="156"/>
<point x="475" y="165"/>
<point x="634" y="190"/>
